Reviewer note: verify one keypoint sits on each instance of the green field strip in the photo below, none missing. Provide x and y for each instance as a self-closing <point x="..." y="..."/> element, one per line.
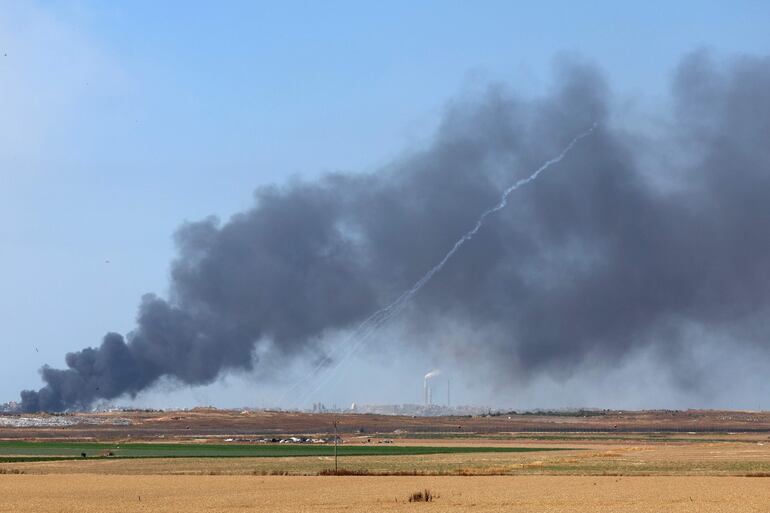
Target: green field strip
<point x="165" y="450"/>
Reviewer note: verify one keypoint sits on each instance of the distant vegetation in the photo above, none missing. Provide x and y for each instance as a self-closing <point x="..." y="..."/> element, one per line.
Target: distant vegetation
<point x="26" y="451"/>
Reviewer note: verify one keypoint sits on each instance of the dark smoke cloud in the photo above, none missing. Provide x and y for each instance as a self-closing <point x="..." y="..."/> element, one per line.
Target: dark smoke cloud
<point x="600" y="257"/>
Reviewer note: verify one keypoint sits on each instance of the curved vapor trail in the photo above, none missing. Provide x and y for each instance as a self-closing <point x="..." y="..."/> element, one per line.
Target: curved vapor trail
<point x="381" y="316"/>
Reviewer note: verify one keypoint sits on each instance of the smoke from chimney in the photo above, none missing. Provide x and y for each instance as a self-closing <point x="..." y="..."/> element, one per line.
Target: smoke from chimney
<point x="427" y="391"/>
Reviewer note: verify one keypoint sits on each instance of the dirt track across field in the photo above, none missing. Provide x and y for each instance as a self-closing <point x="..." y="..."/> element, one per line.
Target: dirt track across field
<point x="531" y="494"/>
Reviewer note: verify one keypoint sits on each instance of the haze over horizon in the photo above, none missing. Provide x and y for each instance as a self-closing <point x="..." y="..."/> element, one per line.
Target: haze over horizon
<point x="631" y="274"/>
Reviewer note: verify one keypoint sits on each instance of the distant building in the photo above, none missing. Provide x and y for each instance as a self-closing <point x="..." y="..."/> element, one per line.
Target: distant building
<point x="10" y="407"/>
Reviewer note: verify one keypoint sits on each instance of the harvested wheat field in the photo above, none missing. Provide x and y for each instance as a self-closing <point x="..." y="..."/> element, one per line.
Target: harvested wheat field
<point x="99" y="493"/>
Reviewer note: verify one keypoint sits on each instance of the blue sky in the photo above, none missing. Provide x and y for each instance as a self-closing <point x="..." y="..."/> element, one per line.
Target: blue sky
<point x="118" y="121"/>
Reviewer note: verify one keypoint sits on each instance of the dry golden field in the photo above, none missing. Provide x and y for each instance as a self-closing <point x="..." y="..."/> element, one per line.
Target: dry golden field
<point x="531" y="494"/>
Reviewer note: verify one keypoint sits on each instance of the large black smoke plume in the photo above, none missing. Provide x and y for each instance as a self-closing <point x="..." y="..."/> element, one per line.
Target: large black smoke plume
<point x="627" y="243"/>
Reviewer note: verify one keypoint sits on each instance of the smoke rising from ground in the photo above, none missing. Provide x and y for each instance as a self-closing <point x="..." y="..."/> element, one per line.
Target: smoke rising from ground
<point x="639" y="240"/>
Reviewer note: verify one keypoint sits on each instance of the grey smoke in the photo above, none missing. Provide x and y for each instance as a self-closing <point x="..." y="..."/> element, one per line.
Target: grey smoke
<point x="637" y="238"/>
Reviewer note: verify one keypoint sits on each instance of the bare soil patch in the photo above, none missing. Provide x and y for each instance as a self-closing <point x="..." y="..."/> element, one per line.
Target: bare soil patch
<point x="208" y="423"/>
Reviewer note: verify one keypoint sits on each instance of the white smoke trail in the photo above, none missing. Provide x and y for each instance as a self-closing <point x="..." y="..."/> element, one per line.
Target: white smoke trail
<point x="367" y="326"/>
<point x="378" y="318"/>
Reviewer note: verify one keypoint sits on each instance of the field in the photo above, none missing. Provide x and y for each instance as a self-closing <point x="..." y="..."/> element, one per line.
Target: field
<point x="75" y="450"/>
<point x="384" y="461"/>
<point x="531" y="494"/>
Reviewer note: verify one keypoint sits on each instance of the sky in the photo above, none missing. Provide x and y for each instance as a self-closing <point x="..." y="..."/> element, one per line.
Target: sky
<point x="121" y="121"/>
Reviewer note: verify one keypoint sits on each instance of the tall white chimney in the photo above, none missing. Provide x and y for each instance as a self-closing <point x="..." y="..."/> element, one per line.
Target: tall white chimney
<point x="426" y="389"/>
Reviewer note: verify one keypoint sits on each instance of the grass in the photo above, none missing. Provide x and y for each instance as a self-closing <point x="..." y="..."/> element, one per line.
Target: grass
<point x="381" y="473"/>
<point x="36" y="451"/>
<point x="29" y="459"/>
<point x="616" y="460"/>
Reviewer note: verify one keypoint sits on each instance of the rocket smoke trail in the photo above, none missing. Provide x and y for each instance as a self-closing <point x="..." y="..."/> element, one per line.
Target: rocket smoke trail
<point x="380" y="317"/>
<point x="655" y="258"/>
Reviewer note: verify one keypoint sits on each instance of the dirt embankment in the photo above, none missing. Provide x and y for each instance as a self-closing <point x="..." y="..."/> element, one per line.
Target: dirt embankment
<point x="211" y="422"/>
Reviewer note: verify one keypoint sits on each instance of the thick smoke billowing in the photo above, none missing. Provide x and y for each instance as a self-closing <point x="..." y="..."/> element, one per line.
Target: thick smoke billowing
<point x="628" y="243"/>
